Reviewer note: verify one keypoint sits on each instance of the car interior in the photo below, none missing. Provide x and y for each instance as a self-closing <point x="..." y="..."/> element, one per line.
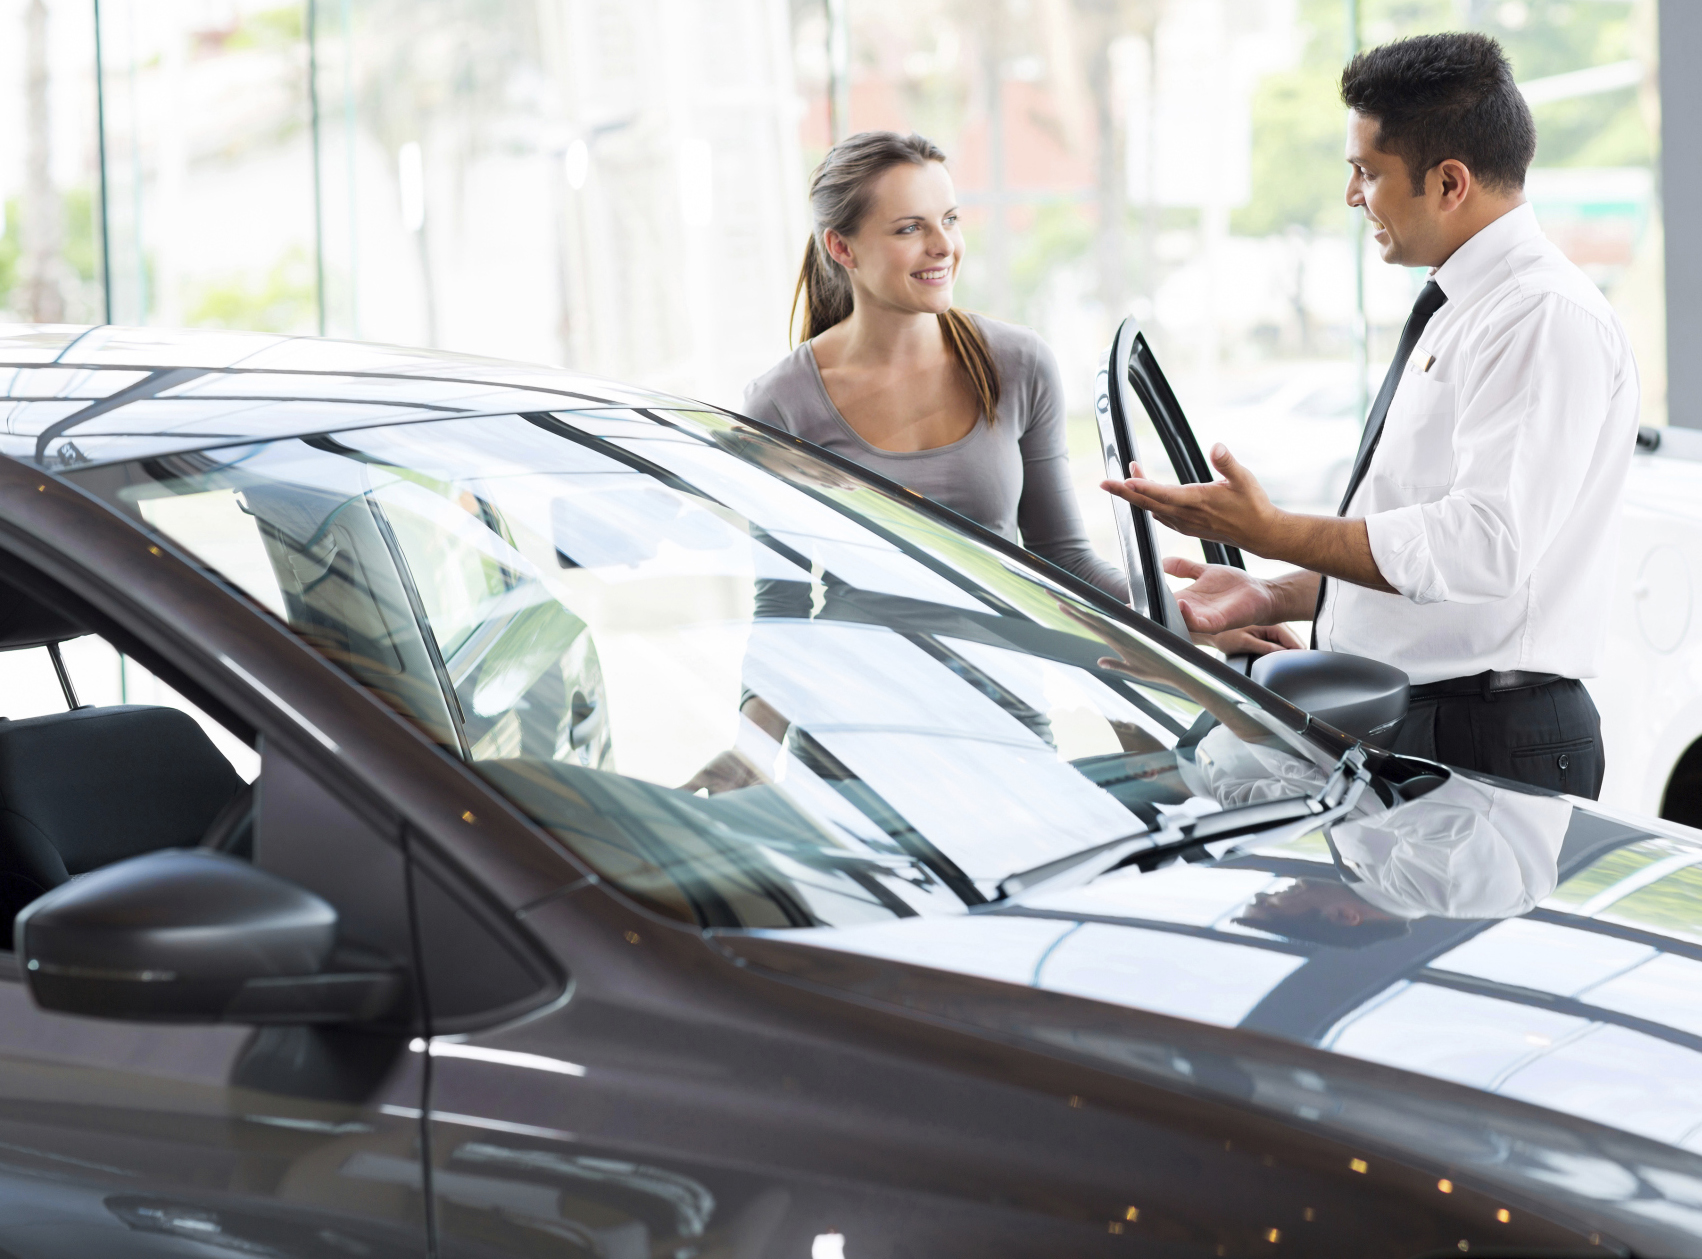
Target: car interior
<point x="99" y="783"/>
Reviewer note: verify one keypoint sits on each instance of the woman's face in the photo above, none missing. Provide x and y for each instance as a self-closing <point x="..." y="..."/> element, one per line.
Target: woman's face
<point x="905" y="254"/>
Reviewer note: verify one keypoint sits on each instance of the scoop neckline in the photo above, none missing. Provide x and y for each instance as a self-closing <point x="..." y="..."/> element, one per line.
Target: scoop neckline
<point x="832" y="409"/>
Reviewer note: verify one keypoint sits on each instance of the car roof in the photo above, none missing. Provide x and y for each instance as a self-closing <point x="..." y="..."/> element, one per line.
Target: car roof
<point x="71" y="396"/>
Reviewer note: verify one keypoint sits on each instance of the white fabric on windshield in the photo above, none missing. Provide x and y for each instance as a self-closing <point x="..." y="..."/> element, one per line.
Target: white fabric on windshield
<point x="1464" y="850"/>
<point x="1235" y="772"/>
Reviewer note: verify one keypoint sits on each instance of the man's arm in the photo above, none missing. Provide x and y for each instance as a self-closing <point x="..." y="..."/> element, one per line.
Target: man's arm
<point x="1223" y="598"/>
<point x="1237" y="511"/>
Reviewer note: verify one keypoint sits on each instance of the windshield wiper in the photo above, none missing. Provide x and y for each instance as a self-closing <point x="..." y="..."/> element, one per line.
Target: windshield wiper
<point x="1339" y="794"/>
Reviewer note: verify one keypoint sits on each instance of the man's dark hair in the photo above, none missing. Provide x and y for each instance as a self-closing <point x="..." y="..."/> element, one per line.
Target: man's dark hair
<point x="1445" y="96"/>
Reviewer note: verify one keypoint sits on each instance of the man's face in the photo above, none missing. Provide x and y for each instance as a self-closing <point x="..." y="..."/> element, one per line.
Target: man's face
<point x="1407" y="229"/>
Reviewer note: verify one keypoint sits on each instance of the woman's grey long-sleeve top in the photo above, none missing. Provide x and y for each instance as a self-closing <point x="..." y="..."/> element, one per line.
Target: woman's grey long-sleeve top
<point x="1009" y="476"/>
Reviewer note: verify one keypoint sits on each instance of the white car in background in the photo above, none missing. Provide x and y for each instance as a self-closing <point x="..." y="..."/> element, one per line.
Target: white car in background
<point x="1297" y="431"/>
<point x="1650" y="688"/>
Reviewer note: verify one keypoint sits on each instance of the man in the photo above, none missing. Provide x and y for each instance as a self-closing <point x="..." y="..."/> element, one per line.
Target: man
<point x="1475" y="546"/>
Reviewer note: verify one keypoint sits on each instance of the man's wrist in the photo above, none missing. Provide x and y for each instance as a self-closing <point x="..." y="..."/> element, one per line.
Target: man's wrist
<point x="1284" y="537"/>
<point x="1293" y="596"/>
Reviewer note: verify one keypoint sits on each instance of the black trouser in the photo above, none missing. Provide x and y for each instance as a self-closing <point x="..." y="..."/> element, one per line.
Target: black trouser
<point x="1548" y="735"/>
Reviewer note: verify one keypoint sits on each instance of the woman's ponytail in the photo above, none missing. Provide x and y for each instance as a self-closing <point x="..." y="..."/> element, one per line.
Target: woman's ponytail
<point x="840" y="191"/>
<point x="824" y="289"/>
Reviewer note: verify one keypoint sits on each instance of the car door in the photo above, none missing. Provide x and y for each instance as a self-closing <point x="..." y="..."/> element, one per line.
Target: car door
<point x="128" y="1138"/>
<point x="1131" y="388"/>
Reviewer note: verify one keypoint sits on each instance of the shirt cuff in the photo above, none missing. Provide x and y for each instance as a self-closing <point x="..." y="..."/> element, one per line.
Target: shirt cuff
<point x="1402" y="553"/>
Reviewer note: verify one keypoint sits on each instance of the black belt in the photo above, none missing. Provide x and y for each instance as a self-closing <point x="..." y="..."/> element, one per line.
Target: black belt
<point x="1490" y="682"/>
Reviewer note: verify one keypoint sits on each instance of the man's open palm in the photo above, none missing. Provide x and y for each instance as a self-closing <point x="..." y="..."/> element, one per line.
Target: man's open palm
<point x="1221" y="598"/>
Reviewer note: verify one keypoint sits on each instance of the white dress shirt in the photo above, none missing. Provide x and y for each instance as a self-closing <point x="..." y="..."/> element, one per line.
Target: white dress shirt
<point x="1492" y="501"/>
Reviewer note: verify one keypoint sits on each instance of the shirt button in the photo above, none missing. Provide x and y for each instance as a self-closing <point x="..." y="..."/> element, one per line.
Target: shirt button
<point x="1565" y="761"/>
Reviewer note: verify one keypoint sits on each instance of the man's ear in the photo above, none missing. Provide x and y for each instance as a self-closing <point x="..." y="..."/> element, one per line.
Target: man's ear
<point x="1344" y="914"/>
<point x="1456" y="180"/>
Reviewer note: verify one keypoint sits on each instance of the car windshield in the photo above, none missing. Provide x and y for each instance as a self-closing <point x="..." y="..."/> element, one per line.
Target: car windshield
<point x="748" y="686"/>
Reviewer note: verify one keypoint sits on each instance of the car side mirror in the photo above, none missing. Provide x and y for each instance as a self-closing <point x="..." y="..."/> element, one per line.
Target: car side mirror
<point x="193" y="936"/>
<point x="1364" y="699"/>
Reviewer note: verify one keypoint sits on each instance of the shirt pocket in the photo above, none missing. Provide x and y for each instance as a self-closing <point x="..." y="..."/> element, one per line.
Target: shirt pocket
<point x="1417" y="446"/>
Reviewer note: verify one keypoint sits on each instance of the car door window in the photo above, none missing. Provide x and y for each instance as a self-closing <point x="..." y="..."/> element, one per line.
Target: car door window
<point x="123" y="1138"/>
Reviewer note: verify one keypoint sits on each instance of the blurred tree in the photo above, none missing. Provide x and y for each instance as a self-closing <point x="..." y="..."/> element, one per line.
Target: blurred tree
<point x="284" y="302"/>
<point x="1298" y="173"/>
<point x="9" y="252"/>
<point x="1102" y="23"/>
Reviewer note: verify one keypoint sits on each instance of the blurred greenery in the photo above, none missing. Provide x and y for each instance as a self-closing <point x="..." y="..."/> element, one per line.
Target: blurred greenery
<point x="1059" y="233"/>
<point x="283" y="302"/>
<point x="1298" y="172"/>
<point x="1600" y="875"/>
<point x="9" y="250"/>
<point x="285" y="25"/>
<point x="1669" y="906"/>
<point x="79" y="246"/>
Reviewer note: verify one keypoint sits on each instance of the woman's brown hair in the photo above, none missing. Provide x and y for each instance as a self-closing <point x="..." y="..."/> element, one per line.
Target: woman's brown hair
<point x="840" y="191"/>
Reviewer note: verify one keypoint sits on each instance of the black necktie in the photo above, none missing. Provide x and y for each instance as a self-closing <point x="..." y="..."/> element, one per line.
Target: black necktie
<point x="1430" y="300"/>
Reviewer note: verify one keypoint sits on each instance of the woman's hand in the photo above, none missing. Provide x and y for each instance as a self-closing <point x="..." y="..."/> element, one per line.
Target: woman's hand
<point x="726" y="771"/>
<point x="1254" y="640"/>
<point x="1136" y="659"/>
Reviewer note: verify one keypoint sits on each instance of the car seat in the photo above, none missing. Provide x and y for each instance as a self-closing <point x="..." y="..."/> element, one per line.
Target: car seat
<point x="85" y="788"/>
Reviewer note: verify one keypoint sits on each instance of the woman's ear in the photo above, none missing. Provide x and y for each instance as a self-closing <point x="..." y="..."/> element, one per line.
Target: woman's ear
<point x="839" y="249"/>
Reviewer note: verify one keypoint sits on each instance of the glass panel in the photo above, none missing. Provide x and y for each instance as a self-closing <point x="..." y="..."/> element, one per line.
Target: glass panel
<point x="496" y="178"/>
<point x="794" y="747"/>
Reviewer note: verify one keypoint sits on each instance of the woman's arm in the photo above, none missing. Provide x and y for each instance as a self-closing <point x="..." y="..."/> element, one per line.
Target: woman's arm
<point x="1047" y="513"/>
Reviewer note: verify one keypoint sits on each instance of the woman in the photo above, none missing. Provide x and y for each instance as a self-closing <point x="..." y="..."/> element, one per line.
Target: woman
<point x="966" y="410"/>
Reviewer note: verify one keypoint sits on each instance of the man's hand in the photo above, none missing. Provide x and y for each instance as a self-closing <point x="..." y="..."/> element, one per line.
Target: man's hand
<point x="1221" y="598"/>
<point x="1235" y="510"/>
<point x="1238" y="612"/>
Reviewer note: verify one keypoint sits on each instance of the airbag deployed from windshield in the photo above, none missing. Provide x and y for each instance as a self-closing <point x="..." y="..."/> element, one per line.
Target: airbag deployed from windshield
<point x="749" y="687"/>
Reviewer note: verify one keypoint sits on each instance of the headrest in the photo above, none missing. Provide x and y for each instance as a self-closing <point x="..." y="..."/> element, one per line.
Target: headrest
<point x="102" y="784"/>
<point x="24" y="622"/>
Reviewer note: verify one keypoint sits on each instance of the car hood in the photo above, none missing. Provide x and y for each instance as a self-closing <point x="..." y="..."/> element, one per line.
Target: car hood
<point x="1521" y="960"/>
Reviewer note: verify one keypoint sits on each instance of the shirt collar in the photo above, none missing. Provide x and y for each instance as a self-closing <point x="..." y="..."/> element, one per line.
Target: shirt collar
<point x="1473" y="262"/>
